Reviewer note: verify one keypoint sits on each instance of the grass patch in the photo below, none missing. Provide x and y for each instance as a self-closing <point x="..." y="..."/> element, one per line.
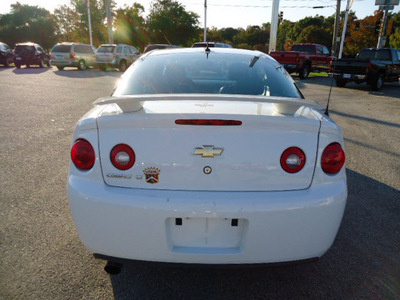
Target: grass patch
<point x="320" y="74"/>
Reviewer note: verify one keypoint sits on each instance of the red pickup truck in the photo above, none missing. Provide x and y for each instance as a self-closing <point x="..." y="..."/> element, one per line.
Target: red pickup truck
<point x="304" y="58"/>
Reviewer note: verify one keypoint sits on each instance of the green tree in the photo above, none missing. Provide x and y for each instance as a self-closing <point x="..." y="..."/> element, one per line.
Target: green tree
<point x="254" y="37"/>
<point x="394" y="40"/>
<point x="229" y="33"/>
<point x="27" y="23"/>
<point x="73" y="21"/>
<point x="365" y="37"/>
<point x="299" y="26"/>
<point x="169" y="22"/>
<point x="282" y="39"/>
<point x="130" y="26"/>
<point x="69" y="26"/>
<point x="314" y="34"/>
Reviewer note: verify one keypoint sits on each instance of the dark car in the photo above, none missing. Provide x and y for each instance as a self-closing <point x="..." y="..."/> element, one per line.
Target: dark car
<point x="371" y="65"/>
<point x="30" y="54"/>
<point x="211" y="44"/>
<point x="6" y="55"/>
<point x="159" y="46"/>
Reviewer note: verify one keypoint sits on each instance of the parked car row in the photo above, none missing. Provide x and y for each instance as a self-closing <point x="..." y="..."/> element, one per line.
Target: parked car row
<point x="81" y="56"/>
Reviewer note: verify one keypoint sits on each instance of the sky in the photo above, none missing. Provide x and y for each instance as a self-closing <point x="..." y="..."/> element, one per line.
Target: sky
<point x="235" y="13"/>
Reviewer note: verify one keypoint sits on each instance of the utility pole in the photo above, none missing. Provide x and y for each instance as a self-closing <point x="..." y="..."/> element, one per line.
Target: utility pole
<point x="87" y="4"/>
<point x="348" y="6"/>
<point x="205" y="20"/>
<point x="382" y="30"/>
<point x="109" y="23"/>
<point x="335" y="38"/>
<point x="384" y="5"/>
<point x="274" y="25"/>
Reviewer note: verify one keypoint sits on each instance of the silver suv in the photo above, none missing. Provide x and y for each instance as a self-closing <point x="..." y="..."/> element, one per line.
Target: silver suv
<point x="77" y="55"/>
<point x="116" y="55"/>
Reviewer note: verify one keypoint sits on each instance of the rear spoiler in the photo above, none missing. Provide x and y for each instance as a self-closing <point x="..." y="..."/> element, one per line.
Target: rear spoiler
<point x="132" y="103"/>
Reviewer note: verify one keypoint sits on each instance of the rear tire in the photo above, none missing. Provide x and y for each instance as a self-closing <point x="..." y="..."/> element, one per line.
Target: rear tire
<point x="304" y="72"/>
<point x="60" y="68"/>
<point x="7" y="63"/>
<point x="17" y="65"/>
<point x="340" y="82"/>
<point x="81" y="65"/>
<point x="41" y="63"/>
<point x="28" y="65"/>
<point x="377" y="83"/>
<point x="122" y="66"/>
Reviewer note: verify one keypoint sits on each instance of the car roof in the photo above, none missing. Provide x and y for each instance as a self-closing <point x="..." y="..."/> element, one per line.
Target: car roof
<point x="107" y="45"/>
<point x="71" y="43"/>
<point x="27" y="44"/>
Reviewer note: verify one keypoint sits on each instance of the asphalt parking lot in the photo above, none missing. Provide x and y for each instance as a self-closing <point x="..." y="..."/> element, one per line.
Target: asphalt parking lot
<point x="42" y="257"/>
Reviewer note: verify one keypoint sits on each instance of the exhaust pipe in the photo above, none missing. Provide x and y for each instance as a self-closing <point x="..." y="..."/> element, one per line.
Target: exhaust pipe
<point x="113" y="268"/>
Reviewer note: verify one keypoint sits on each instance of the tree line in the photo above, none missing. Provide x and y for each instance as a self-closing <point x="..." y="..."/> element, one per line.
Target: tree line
<point x="168" y="22"/>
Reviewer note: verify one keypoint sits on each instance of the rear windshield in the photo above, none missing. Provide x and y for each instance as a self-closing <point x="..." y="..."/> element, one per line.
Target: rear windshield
<point x="380" y="54"/>
<point x="106" y="49"/>
<point x="303" y="48"/>
<point x="21" y="48"/>
<point x="61" y="48"/>
<point x="216" y="73"/>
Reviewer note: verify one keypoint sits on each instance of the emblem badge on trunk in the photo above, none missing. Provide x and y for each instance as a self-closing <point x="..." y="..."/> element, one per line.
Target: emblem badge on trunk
<point x="208" y="151"/>
<point x="152" y="175"/>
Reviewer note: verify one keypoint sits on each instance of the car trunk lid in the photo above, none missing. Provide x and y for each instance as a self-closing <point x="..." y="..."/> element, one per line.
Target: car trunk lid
<point x="171" y="156"/>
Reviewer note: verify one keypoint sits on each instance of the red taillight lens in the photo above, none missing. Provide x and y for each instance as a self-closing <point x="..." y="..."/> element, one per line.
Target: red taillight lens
<point x="82" y="154"/>
<point x="72" y="55"/>
<point x="332" y="159"/>
<point x="331" y="66"/>
<point x="293" y="160"/>
<point x="122" y="157"/>
<point x="208" y="122"/>
<point x="369" y="67"/>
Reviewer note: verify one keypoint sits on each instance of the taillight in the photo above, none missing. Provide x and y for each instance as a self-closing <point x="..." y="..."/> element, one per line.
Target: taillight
<point x="369" y="67"/>
<point x="293" y="160"/>
<point x="122" y="157"/>
<point x="82" y="154"/>
<point x="72" y="55"/>
<point x="331" y="66"/>
<point x="332" y="159"/>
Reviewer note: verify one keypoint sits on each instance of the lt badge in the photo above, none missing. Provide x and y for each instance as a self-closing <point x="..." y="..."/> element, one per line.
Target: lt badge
<point x="152" y="175"/>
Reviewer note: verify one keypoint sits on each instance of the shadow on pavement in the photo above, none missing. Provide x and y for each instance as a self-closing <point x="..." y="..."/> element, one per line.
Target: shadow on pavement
<point x="391" y="124"/>
<point x="31" y="70"/>
<point x="89" y="73"/>
<point x="389" y="89"/>
<point x="363" y="263"/>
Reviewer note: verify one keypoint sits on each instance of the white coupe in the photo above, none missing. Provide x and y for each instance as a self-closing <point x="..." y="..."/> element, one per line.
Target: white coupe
<point x="207" y="156"/>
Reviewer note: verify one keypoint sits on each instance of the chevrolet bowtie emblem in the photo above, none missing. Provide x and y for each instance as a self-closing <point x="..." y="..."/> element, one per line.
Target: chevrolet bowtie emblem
<point x="207" y="151"/>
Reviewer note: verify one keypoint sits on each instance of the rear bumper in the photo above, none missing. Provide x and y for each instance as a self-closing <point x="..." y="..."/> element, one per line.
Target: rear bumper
<point x="34" y="60"/>
<point x="350" y="77"/>
<point x="58" y="63"/>
<point x="292" y="67"/>
<point x="206" y="227"/>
